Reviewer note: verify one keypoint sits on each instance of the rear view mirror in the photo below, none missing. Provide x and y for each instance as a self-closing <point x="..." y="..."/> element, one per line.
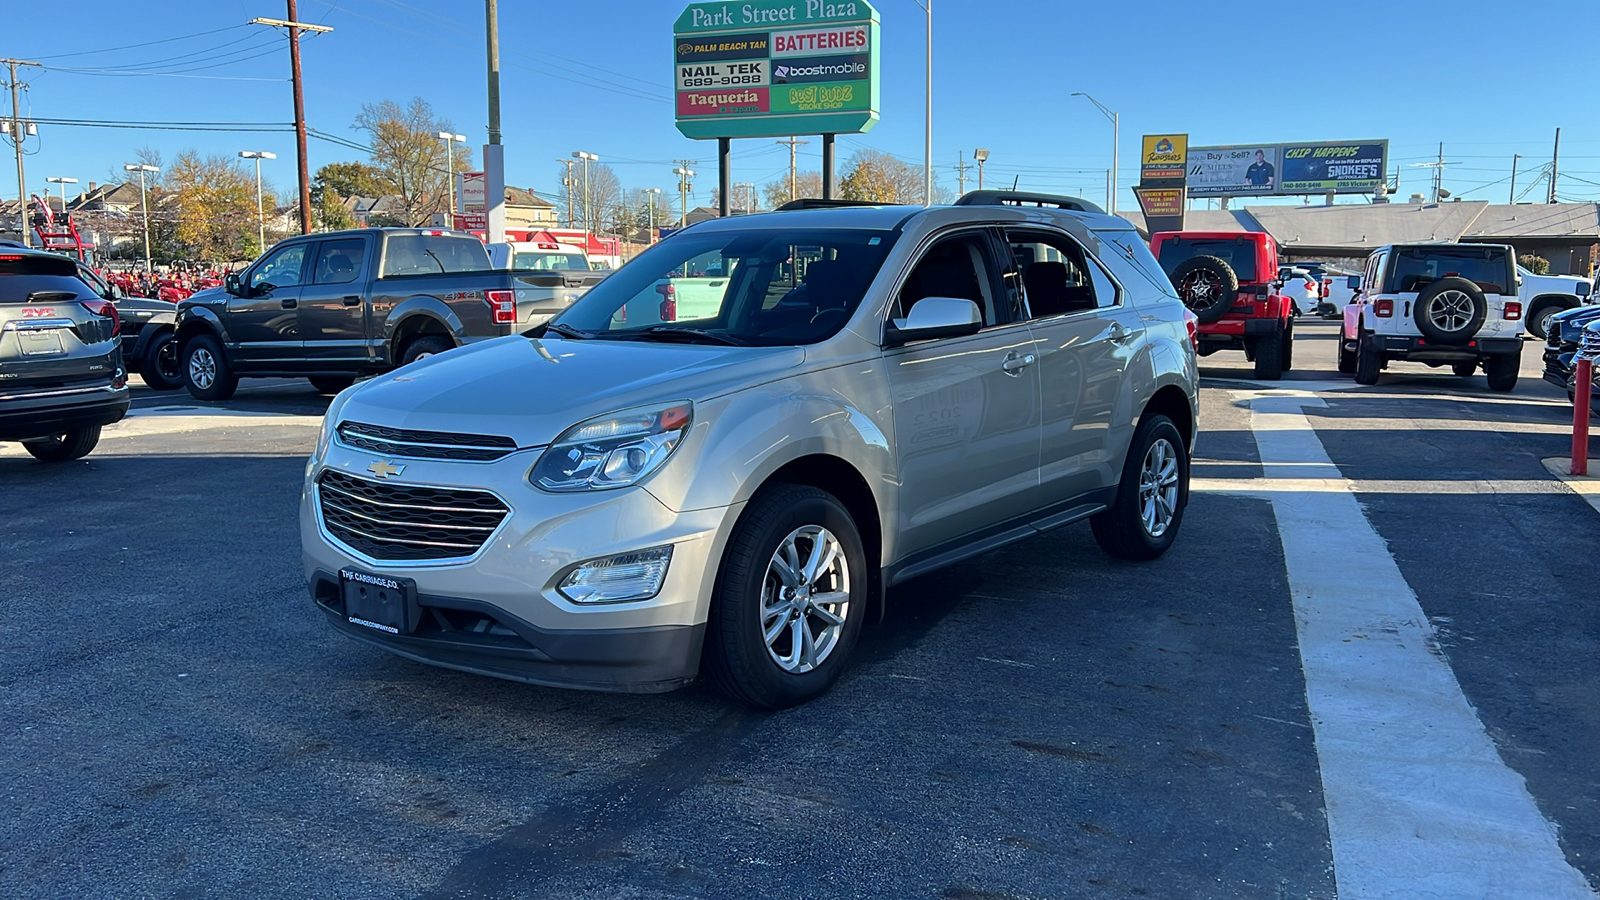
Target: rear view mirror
<point x="1354" y="282"/>
<point x="934" y="317"/>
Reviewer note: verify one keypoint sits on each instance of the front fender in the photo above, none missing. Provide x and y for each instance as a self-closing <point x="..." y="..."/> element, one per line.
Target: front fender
<point x="192" y="320"/>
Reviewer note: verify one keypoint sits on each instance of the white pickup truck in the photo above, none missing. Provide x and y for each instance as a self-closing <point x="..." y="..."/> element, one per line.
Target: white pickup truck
<point x="1545" y="295"/>
<point x="551" y="278"/>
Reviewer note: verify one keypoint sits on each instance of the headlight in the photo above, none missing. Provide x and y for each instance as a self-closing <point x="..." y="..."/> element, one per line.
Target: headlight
<point x="612" y="451"/>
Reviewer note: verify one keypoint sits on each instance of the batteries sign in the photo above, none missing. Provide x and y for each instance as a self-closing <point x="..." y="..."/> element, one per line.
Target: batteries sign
<point x="773" y="68"/>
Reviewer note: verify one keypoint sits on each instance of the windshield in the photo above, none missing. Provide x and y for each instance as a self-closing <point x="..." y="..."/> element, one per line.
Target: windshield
<point x="1414" y="268"/>
<point x="1240" y="254"/>
<point x="537" y="261"/>
<point x="768" y="288"/>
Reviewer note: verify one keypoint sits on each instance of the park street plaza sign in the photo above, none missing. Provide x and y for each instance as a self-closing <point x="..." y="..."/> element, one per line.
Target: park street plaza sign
<point x="774" y="68"/>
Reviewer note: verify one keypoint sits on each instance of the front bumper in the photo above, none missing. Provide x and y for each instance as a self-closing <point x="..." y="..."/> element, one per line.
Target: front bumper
<point x="498" y="612"/>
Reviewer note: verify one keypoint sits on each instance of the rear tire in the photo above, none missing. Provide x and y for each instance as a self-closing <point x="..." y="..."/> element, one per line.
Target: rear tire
<point x="1502" y="372"/>
<point x="1368" y="364"/>
<point x="330" y="384"/>
<point x="1142" y="522"/>
<point x="1347" y="358"/>
<point x="755" y="599"/>
<point x="1269" y="357"/>
<point x="1288" y="347"/>
<point x="160" y="368"/>
<point x="424" y="347"/>
<point x="73" y="445"/>
<point x="1464" y="369"/>
<point x="206" y="372"/>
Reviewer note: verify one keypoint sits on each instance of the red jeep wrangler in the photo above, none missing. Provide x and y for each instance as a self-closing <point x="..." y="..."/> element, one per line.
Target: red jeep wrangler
<point x="1229" y="281"/>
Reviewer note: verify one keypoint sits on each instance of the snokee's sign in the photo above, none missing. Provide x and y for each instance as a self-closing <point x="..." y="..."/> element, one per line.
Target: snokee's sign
<point x="771" y="68"/>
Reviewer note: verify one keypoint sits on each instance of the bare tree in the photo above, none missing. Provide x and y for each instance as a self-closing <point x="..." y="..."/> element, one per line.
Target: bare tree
<point x="807" y="185"/>
<point x="407" y="154"/>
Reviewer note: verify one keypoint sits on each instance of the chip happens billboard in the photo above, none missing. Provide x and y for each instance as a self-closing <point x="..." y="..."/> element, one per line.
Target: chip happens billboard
<point x="1276" y="170"/>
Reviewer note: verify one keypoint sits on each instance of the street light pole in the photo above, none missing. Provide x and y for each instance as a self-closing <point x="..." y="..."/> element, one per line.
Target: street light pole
<point x="927" y="125"/>
<point x="588" y="211"/>
<point x="450" y="169"/>
<point x="1116" y="144"/>
<point x="653" y="193"/>
<point x="982" y="156"/>
<point x="63" y="182"/>
<point x="261" y="217"/>
<point x="144" y="205"/>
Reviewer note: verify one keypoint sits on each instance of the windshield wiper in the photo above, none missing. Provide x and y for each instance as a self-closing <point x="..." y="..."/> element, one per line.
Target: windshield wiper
<point x="694" y="334"/>
<point x="567" y="331"/>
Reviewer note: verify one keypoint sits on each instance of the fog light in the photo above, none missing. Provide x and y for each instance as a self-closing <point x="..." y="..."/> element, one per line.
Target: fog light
<point x="618" y="579"/>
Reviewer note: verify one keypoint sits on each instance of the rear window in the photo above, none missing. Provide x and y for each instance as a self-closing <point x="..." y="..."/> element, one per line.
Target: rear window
<point x="22" y="275"/>
<point x="426" y="254"/>
<point x="1239" y="253"/>
<point x="544" y="262"/>
<point x="1413" y="268"/>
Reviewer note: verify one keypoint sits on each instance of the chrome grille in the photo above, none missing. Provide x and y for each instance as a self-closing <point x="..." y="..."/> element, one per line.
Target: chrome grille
<point x="406" y="522"/>
<point x="425" y="444"/>
<point x="1589" y="344"/>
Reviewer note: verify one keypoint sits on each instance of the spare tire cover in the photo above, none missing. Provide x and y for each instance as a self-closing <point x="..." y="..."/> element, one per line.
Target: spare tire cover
<point x="1207" y="285"/>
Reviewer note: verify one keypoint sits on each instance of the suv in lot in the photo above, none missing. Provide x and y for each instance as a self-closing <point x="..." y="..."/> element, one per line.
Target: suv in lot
<point x="61" y="374"/>
<point x="1228" y="279"/>
<point x="882" y="391"/>
<point x="332" y="307"/>
<point x="1450" y="305"/>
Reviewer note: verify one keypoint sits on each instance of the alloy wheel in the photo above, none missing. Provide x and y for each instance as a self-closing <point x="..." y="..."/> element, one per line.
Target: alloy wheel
<point x="1158" y="488"/>
<point x="202" y="368"/>
<point x="1450" y="310"/>
<point x="805" y="599"/>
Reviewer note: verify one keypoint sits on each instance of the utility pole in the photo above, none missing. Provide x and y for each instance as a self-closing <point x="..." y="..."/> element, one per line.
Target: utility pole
<point x="293" y="26"/>
<point x="1555" y="164"/>
<point x="961" y="167"/>
<point x="652" y="194"/>
<point x="17" y="134"/>
<point x="144" y="205"/>
<point x="793" y="177"/>
<point x="684" y="173"/>
<point x="566" y="183"/>
<point x="1514" y="158"/>
<point x="588" y="210"/>
<point x="494" y="155"/>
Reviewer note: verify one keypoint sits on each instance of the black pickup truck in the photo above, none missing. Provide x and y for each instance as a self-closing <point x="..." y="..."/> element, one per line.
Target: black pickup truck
<point x="336" y="306"/>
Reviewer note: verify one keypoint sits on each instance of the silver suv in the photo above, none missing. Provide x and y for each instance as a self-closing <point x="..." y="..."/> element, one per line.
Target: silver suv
<point x="720" y="458"/>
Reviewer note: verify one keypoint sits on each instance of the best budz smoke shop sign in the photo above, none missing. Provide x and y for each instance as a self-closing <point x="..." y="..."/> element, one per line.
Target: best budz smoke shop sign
<point x="776" y="68"/>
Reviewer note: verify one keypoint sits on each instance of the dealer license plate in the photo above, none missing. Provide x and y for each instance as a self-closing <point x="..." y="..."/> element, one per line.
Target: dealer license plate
<point x="41" y="343"/>
<point x="378" y="601"/>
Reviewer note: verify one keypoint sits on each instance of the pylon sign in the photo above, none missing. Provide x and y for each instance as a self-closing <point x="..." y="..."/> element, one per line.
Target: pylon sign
<point x="774" y="68"/>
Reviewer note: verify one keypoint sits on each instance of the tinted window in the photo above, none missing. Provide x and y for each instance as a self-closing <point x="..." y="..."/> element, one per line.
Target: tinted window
<point x="1138" y="253"/>
<point x="1057" y="275"/>
<point x="339" y="262"/>
<point x="1414" y="268"/>
<point x="25" y="274"/>
<point x="544" y="261"/>
<point x="1239" y="253"/>
<point x="768" y="287"/>
<point x="280" y="269"/>
<point x="957" y="267"/>
<point x="428" y="254"/>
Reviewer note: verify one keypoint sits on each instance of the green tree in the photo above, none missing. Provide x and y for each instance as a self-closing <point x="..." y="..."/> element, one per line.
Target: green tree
<point x="408" y="156"/>
<point x="1538" y="265"/>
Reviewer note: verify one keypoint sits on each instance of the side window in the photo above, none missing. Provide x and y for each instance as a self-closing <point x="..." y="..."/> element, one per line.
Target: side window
<point x="339" y="262"/>
<point x="956" y="267"/>
<point x="1138" y="254"/>
<point x="1057" y="275"/>
<point x="281" y="269"/>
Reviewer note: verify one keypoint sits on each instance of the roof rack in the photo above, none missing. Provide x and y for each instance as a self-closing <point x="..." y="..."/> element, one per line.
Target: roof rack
<point x="1026" y="198"/>
<point x="815" y="203"/>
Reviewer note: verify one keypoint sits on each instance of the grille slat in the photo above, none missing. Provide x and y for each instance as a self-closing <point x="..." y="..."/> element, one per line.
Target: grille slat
<point x="406" y="522"/>
<point x="425" y="444"/>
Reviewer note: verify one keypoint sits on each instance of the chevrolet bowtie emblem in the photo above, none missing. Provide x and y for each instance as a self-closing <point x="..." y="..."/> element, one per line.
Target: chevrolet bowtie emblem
<point x="383" y="468"/>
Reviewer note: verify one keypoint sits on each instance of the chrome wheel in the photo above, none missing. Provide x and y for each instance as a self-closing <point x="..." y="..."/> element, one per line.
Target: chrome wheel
<point x="1200" y="288"/>
<point x="805" y="599"/>
<point x="202" y="368"/>
<point x="1158" y="488"/>
<point x="1450" y="310"/>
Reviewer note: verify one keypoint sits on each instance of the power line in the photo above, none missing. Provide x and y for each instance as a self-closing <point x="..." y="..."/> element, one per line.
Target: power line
<point x="141" y="44"/>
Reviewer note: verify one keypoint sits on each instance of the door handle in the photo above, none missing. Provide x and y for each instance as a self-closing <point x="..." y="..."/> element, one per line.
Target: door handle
<point x="1014" y="364"/>
<point x="290" y="303"/>
<point x="353" y="300"/>
<point x="1118" y="334"/>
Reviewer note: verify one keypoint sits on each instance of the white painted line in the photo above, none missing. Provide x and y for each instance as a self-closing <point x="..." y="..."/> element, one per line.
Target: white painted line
<point x="1419" y="803"/>
<point x="1585" y="486"/>
<point x="1272" y="485"/>
<point x="149" y="423"/>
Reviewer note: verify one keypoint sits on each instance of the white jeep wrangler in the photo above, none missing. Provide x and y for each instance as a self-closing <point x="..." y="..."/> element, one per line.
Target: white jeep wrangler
<point x="1437" y="304"/>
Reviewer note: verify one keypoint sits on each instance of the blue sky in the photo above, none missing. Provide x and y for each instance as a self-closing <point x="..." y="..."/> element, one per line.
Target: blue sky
<point x="1488" y="79"/>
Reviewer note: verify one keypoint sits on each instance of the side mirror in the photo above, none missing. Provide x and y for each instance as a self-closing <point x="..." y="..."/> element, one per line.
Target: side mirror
<point x="231" y="283"/>
<point x="1353" y="282"/>
<point x="116" y="292"/>
<point x="934" y="317"/>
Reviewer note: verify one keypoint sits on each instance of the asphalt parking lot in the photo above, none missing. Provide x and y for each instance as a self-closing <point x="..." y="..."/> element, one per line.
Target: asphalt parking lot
<point x="1041" y="722"/>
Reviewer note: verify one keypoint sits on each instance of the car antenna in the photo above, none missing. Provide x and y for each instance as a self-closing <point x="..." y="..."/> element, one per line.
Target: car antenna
<point x="1014" y="181"/>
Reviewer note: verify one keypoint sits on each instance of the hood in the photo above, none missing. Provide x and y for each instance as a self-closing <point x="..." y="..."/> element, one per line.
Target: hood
<point x="532" y="390"/>
<point x="205" y="297"/>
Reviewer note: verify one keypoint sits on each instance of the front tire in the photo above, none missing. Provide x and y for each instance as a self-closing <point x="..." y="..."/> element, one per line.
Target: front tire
<point x="1142" y="522"/>
<point x="1502" y="372"/>
<point x="206" y="372"/>
<point x="790" y="599"/>
<point x="67" y="447"/>
<point x="1288" y="347"/>
<point x="1347" y="357"/>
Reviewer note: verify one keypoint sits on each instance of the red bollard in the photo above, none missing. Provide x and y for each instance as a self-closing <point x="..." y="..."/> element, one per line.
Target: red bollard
<point x="1580" y="416"/>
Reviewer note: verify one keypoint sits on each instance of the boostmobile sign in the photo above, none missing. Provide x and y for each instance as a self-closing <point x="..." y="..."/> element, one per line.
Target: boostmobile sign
<point x="771" y="68"/>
